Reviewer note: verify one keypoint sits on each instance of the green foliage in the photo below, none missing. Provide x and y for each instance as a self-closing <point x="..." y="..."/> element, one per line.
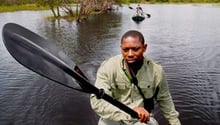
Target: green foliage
<point x="122" y="1"/>
<point x="55" y="2"/>
<point x="16" y="2"/>
<point x="11" y="8"/>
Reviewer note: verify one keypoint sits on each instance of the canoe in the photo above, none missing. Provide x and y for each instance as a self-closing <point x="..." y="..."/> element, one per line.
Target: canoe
<point x="138" y="17"/>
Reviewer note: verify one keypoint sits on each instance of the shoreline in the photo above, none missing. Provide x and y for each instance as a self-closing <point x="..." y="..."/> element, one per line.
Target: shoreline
<point x="34" y="7"/>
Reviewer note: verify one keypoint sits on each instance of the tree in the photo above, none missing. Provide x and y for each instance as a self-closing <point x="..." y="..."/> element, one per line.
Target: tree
<point x="52" y="4"/>
<point x="83" y="7"/>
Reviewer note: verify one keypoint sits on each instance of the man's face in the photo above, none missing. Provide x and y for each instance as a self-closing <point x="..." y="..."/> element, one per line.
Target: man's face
<point x="132" y="49"/>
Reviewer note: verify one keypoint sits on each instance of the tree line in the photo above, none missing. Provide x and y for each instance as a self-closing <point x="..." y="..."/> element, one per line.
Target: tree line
<point x="19" y="2"/>
<point x="83" y="8"/>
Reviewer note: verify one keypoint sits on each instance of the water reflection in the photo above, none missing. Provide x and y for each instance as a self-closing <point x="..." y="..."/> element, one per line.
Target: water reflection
<point x="184" y="39"/>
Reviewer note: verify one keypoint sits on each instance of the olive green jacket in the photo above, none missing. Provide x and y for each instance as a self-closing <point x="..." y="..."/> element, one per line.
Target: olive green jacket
<point x="112" y="78"/>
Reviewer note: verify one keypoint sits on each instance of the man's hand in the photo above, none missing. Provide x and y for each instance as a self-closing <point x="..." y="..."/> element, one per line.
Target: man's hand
<point x="143" y="114"/>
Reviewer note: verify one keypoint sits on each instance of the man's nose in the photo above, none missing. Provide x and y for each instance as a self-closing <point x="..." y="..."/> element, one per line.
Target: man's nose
<point x="130" y="52"/>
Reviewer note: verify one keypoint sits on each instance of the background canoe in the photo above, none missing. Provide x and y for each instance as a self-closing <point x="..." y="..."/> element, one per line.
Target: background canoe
<point x="138" y="18"/>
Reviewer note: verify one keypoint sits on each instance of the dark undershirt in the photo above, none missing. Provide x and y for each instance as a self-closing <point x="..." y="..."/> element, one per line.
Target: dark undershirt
<point x="135" y="66"/>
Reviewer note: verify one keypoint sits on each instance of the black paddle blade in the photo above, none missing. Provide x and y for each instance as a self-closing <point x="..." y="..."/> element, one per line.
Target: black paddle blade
<point x="148" y="15"/>
<point x="37" y="54"/>
<point x="130" y="7"/>
<point x="42" y="57"/>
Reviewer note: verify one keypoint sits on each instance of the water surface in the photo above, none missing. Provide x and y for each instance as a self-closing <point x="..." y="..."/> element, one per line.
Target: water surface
<point x="184" y="39"/>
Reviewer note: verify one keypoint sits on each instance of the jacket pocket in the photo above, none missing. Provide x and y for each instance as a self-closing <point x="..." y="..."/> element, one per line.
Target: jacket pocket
<point x="147" y="88"/>
<point x="120" y="90"/>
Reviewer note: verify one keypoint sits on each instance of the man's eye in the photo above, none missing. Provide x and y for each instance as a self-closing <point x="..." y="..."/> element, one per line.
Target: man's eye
<point x="135" y="49"/>
<point x="125" y="49"/>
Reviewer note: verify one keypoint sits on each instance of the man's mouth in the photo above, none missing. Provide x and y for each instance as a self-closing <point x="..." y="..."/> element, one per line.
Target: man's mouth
<point x="131" y="60"/>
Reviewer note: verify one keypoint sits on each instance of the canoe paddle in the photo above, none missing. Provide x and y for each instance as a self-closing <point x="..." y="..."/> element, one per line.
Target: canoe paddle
<point x="41" y="56"/>
<point x="148" y="15"/>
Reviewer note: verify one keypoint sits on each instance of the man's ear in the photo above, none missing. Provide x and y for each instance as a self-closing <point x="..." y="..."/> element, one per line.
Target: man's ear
<point x="145" y="47"/>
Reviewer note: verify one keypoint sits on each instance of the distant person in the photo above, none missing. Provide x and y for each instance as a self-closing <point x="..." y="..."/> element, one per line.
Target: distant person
<point x="139" y="9"/>
<point x="135" y="80"/>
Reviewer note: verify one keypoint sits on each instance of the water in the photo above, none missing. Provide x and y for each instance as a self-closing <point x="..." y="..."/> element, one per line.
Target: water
<point x="184" y="39"/>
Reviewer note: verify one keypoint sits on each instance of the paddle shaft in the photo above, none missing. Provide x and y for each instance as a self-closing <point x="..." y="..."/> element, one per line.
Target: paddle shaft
<point x="120" y="105"/>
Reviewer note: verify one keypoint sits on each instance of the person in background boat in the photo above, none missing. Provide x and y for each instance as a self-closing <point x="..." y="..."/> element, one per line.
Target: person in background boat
<point x="117" y="76"/>
<point x="139" y="10"/>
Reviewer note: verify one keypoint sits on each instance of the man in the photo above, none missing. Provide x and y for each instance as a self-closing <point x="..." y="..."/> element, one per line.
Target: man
<point x="139" y="9"/>
<point x="132" y="78"/>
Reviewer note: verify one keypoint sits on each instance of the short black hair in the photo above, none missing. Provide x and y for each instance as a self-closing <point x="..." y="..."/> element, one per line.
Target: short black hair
<point x="133" y="33"/>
